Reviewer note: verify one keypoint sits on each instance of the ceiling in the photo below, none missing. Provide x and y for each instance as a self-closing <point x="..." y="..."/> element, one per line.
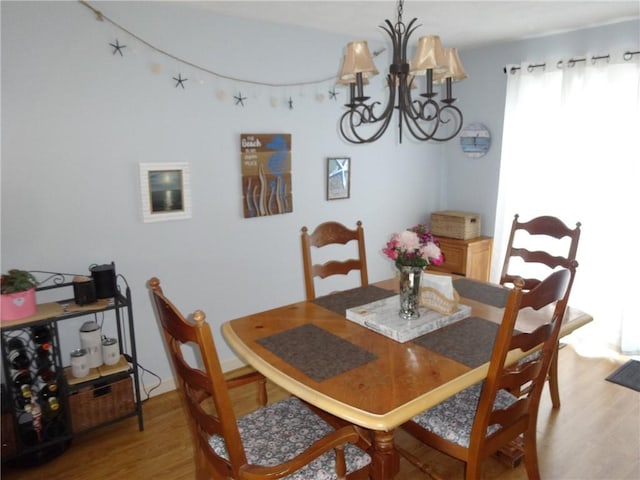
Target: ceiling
<point x="463" y="24"/>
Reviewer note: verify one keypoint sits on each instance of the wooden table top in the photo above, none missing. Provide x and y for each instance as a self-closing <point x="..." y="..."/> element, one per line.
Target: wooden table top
<point x="404" y="380"/>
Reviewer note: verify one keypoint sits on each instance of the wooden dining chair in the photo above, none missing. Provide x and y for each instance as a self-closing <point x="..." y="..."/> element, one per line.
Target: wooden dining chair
<point x="282" y="439"/>
<point x="330" y="233"/>
<point x="485" y="417"/>
<point x="519" y="259"/>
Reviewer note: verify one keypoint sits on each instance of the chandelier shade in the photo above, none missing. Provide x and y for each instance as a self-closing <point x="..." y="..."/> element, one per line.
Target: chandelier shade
<point x="424" y="117"/>
<point x="358" y="60"/>
<point x="429" y="55"/>
<point x="455" y="70"/>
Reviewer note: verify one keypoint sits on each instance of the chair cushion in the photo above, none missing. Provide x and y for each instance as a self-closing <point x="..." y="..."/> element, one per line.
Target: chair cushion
<point x="278" y="432"/>
<point x="453" y="418"/>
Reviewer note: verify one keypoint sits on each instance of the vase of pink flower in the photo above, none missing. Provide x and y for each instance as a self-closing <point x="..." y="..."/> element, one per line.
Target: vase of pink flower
<point x="412" y="251"/>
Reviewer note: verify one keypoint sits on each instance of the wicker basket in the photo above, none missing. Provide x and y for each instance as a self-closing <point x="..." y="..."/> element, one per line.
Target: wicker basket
<point x="434" y="300"/>
<point x="454" y="224"/>
<point x="100" y="403"/>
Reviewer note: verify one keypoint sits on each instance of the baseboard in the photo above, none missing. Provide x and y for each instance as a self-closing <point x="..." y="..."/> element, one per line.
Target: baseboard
<point x="169" y="384"/>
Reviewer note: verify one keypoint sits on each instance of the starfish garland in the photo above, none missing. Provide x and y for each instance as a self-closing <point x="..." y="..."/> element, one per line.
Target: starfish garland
<point x="117" y="48"/>
<point x="240" y="99"/>
<point x="180" y="81"/>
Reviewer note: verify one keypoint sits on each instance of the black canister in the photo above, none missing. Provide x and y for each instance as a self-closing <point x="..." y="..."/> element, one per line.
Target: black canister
<point x="104" y="277"/>
<point x="84" y="290"/>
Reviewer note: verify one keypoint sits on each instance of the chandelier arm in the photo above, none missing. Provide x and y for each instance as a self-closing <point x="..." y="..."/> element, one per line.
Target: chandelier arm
<point x="409" y="30"/>
<point x="423" y="109"/>
<point x="350" y="133"/>
<point x="456" y="115"/>
<point x="415" y="115"/>
<point x="419" y="133"/>
<point x="366" y="115"/>
<point x="417" y="130"/>
<point x="394" y="41"/>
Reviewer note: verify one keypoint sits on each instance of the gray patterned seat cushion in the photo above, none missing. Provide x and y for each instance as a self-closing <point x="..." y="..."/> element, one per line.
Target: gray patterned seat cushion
<point x="453" y="418"/>
<point x="280" y="431"/>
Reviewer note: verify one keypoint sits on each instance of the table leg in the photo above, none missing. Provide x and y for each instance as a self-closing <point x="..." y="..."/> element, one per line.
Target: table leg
<point x="386" y="460"/>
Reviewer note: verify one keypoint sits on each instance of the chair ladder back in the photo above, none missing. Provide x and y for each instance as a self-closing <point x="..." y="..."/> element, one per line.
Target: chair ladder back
<point x="544" y="225"/>
<point x="500" y="376"/>
<point x="197" y="385"/>
<point x="329" y="233"/>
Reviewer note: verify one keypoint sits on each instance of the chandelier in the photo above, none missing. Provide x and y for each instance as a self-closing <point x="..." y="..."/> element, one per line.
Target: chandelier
<point x="424" y="117"/>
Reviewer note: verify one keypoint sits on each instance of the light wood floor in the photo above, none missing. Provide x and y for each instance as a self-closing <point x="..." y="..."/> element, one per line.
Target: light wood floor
<point x="595" y="435"/>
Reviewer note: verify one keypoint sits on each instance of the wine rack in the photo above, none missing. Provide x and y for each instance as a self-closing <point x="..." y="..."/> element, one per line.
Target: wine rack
<point x="40" y="414"/>
<point x="43" y="406"/>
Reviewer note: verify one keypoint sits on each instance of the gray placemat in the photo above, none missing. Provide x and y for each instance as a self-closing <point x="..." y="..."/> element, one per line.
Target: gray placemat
<point x="315" y="352"/>
<point x="481" y="292"/>
<point x="469" y="341"/>
<point x="341" y="301"/>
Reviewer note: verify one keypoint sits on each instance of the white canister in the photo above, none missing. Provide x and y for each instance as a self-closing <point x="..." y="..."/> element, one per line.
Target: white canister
<point x="110" y="351"/>
<point x="79" y="363"/>
<point x="91" y="341"/>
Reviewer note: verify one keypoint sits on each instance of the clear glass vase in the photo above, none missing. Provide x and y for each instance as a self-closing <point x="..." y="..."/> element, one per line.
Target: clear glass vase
<point x="409" y="292"/>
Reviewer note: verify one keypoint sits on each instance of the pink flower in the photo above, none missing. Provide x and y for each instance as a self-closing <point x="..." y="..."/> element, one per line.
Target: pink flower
<point x="408" y="240"/>
<point x="437" y="260"/>
<point x="414" y="247"/>
<point x="431" y="250"/>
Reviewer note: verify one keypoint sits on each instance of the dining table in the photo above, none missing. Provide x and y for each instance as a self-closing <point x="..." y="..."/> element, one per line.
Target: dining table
<point x="310" y="349"/>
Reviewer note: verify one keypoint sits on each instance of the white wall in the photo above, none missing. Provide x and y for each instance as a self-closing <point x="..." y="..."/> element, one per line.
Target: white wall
<point x="77" y="120"/>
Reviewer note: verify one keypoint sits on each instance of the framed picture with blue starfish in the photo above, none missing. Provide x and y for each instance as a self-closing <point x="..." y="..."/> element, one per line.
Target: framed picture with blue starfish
<point x="338" y="178"/>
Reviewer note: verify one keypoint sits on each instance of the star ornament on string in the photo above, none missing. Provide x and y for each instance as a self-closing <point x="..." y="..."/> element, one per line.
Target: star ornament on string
<point x="117" y="48"/>
<point x="180" y="81"/>
<point x="290" y="103"/>
<point x="239" y="99"/>
<point x="333" y="95"/>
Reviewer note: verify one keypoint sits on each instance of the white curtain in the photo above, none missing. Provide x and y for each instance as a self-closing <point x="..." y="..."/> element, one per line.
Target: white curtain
<point x="571" y="148"/>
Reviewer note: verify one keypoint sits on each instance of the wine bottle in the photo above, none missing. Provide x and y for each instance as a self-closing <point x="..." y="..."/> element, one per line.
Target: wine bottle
<point x="17" y="356"/>
<point x="44" y="363"/>
<point x="49" y="396"/>
<point x="41" y="334"/>
<point x="46" y="371"/>
<point x="22" y="382"/>
<point x="43" y="350"/>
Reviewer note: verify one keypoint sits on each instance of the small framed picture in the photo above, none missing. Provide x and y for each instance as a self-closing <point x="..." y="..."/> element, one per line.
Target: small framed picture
<point x="338" y="178"/>
<point x="166" y="191"/>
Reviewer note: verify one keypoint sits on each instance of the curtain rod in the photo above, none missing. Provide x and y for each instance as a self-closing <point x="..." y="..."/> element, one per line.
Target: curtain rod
<point x="628" y="55"/>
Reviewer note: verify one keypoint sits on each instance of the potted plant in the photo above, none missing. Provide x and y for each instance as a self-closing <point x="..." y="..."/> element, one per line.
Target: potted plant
<point x="17" y="294"/>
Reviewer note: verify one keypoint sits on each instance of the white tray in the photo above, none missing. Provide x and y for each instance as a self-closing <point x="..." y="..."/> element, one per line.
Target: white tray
<point x="382" y="316"/>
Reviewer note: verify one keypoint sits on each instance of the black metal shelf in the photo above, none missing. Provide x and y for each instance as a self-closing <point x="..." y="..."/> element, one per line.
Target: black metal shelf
<point x="92" y="393"/>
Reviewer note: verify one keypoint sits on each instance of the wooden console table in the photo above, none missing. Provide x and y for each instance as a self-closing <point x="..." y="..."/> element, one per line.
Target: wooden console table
<point x="471" y="257"/>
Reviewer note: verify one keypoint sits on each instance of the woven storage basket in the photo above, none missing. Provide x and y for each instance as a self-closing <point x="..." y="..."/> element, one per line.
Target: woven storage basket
<point x="434" y="300"/>
<point x="454" y="224"/>
<point x="100" y="403"/>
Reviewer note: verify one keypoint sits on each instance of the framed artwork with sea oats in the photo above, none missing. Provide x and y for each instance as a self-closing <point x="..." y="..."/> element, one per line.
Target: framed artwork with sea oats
<point x="165" y="191"/>
<point x="266" y="174"/>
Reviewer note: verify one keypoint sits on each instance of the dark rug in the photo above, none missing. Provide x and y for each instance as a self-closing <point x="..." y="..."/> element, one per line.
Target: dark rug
<point x="315" y="352"/>
<point x="628" y="375"/>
